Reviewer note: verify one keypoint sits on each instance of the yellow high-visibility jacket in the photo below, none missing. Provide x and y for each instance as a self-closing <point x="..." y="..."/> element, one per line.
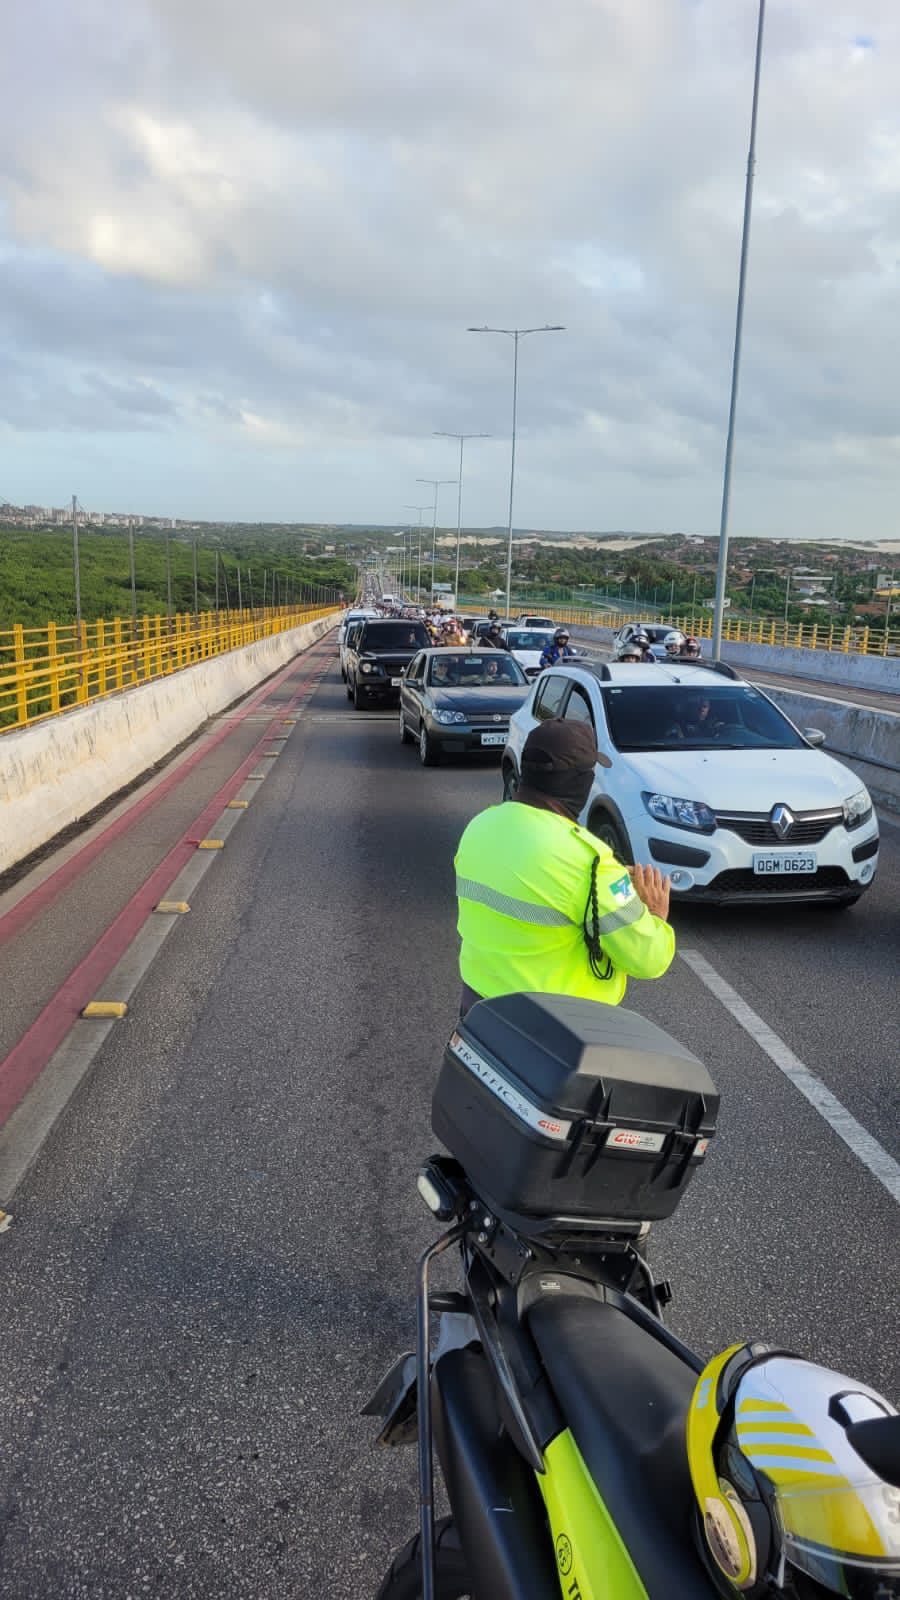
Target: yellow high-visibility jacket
<point x="523" y="879"/>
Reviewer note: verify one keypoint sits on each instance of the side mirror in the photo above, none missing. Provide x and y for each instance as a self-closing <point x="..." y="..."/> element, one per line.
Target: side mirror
<point x="814" y="736"/>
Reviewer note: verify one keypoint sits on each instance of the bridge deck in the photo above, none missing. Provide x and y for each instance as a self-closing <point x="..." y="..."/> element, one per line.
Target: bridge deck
<point x="212" y="1258"/>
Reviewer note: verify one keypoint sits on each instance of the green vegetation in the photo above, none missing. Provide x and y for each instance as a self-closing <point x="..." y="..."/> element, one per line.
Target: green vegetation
<point x="37" y="586"/>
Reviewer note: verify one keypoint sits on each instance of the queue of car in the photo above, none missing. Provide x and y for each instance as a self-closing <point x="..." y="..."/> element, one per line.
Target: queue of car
<point x="698" y="771"/>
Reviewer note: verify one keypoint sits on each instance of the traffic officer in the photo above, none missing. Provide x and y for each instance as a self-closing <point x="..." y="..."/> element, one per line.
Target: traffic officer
<point x="544" y="906"/>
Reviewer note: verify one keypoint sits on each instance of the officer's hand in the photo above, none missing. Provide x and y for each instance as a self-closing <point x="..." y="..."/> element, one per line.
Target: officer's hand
<point x="651" y="887"/>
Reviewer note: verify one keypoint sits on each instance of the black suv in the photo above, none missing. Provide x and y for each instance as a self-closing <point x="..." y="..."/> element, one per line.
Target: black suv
<point x="376" y="655"/>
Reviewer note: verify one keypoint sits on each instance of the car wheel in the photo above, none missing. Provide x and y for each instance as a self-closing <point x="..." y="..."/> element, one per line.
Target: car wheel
<point x="349" y="689"/>
<point x="405" y="735"/>
<point x="429" y="755"/>
<point x="343" y="675"/>
<point x="609" y="833"/>
<point x="510" y="783"/>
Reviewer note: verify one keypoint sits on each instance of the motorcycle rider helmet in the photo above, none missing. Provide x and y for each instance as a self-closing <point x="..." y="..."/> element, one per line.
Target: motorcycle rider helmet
<point x="561" y="636"/>
<point x="630" y="652"/>
<point x="691" y="646"/>
<point x="674" y="643"/>
<point x="796" y="1474"/>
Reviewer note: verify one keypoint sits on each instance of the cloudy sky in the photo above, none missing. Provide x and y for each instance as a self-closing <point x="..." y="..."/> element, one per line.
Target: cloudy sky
<point x="240" y="245"/>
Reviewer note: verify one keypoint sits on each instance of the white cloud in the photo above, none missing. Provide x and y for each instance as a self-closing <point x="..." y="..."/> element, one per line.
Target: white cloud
<point x="283" y="217"/>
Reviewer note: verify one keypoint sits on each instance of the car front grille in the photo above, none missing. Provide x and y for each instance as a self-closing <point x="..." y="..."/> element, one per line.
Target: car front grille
<point x="479" y="725"/>
<point x="741" y="880"/>
<point x="755" y="827"/>
<point x="392" y="669"/>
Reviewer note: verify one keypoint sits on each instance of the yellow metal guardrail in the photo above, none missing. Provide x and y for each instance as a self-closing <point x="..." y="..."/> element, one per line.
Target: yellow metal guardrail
<point x="736" y="630"/>
<point x="44" y="671"/>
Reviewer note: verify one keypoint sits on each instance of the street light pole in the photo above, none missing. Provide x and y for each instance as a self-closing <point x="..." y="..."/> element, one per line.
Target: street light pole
<point x="435" y="484"/>
<point x="722" y="570"/>
<point x="420" y="509"/>
<point x="515" y="334"/>
<point x="462" y="437"/>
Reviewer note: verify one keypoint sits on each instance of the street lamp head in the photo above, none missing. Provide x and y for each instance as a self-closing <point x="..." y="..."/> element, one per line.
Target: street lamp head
<point x="441" y="433"/>
<point x="546" y="327"/>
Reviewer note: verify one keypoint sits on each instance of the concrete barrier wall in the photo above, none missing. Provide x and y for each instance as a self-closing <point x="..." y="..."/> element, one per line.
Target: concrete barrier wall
<point x="826" y="666"/>
<point x="57" y="771"/>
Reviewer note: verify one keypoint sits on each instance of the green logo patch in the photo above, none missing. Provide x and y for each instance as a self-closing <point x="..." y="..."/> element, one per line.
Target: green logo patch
<point x="622" y="889"/>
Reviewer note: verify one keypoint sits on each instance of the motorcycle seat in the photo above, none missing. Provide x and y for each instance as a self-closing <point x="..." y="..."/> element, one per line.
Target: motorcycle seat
<point x="624" y="1396"/>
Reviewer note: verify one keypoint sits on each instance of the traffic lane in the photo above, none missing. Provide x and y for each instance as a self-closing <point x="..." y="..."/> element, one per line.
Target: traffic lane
<point x="878" y="699"/>
<point x="827" y="982"/>
<point x="214" y="1256"/>
<point x="783" y="1234"/>
<point x="213" y="1261"/>
<point x="37" y="959"/>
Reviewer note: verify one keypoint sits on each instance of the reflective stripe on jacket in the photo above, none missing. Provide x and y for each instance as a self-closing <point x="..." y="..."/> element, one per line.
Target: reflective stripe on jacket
<point x="523" y="879"/>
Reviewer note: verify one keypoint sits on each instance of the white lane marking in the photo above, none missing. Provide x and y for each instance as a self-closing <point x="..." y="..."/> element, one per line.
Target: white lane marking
<point x="881" y="1165"/>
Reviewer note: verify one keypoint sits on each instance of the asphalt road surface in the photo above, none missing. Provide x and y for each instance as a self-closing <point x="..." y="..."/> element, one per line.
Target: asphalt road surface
<point x="212" y="1260"/>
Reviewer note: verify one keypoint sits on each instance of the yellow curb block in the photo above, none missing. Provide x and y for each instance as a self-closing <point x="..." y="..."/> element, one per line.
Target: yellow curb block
<point x="254" y="777"/>
<point x="173" y="905"/>
<point x="105" y="1008"/>
<point x="271" y="753"/>
<point x="237" y="805"/>
<point x="211" y="844"/>
<point x="289" y="722"/>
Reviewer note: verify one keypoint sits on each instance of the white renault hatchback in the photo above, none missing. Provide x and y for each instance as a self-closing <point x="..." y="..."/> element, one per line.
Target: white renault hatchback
<point x="699" y="772"/>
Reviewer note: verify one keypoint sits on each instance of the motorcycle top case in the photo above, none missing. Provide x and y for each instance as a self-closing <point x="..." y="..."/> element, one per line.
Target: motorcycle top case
<point x="564" y="1110"/>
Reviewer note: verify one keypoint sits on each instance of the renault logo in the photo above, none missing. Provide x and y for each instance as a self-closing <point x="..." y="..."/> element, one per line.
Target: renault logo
<point x="782" y="820"/>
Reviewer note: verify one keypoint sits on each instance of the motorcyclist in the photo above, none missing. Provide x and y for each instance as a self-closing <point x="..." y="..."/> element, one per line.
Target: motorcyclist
<point x="674" y="643"/>
<point x="493" y="639"/>
<point x="691" y="648"/>
<point x="642" y="640"/>
<point x="544" y="905"/>
<point x="630" y="653"/>
<point x="558" y="649"/>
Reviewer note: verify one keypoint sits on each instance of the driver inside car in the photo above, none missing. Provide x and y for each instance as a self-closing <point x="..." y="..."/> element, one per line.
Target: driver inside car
<point x="697" y="720"/>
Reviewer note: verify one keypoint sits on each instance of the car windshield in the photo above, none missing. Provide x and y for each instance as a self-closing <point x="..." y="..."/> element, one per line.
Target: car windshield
<point x="395" y="636"/>
<point x="518" y="640"/>
<point x="736" y="717"/>
<point x="475" y="672"/>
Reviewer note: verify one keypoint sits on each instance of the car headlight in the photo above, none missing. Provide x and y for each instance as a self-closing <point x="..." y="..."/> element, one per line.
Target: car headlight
<point x="369" y="667"/>
<point x="446" y="717"/>
<point x="680" y="813"/>
<point x="857" y="809"/>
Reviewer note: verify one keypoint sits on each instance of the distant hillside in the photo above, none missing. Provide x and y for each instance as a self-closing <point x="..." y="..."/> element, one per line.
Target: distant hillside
<point x="36" y="581"/>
